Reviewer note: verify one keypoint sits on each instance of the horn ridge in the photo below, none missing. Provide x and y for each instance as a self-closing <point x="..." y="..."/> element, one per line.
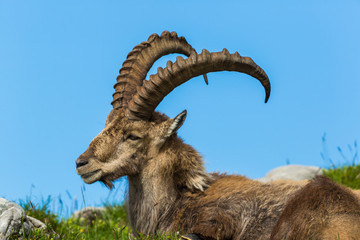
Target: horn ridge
<point x="183" y="70"/>
<point x="140" y="60"/>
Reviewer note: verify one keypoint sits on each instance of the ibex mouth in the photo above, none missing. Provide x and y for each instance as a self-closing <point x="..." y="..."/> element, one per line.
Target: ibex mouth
<point x="91" y="176"/>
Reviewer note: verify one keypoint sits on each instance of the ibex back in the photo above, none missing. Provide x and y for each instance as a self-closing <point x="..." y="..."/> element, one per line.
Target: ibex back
<point x="169" y="189"/>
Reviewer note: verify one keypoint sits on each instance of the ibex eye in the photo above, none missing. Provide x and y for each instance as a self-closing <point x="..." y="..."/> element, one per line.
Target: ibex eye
<point x="133" y="137"/>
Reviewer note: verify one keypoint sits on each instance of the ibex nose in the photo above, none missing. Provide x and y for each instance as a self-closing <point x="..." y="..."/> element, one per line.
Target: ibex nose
<point x="81" y="162"/>
<point x="83" y="159"/>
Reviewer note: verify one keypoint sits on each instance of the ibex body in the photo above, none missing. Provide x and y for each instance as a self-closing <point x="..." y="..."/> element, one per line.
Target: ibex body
<point x="169" y="189"/>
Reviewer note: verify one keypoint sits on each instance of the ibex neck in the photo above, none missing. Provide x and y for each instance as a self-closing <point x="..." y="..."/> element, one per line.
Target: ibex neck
<point x="155" y="192"/>
<point x="149" y="201"/>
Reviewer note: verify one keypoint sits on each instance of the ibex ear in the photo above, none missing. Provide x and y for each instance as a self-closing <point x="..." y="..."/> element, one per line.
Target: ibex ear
<point x="176" y="124"/>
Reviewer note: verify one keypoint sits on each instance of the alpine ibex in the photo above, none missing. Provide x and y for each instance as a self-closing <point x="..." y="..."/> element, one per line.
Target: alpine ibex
<point x="169" y="189"/>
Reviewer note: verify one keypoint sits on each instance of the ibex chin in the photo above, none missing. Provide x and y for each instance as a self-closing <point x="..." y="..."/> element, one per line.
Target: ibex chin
<point x="169" y="189"/>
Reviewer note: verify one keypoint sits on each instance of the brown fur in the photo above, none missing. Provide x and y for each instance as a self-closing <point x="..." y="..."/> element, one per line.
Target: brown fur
<point x="235" y="207"/>
<point x="320" y="210"/>
<point x="169" y="189"/>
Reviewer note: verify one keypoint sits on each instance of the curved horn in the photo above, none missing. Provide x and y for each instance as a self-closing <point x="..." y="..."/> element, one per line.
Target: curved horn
<point x="140" y="60"/>
<point x="148" y="96"/>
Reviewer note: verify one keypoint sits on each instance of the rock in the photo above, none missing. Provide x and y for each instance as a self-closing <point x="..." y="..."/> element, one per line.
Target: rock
<point x="13" y="220"/>
<point x="292" y="172"/>
<point x="88" y="214"/>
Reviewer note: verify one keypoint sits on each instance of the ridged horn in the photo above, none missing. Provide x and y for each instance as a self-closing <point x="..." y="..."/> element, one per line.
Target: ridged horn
<point x="140" y="60"/>
<point x="151" y="93"/>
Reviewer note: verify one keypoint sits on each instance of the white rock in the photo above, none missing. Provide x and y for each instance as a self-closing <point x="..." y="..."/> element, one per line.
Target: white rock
<point x="35" y="223"/>
<point x="14" y="221"/>
<point x="292" y="172"/>
<point x="11" y="216"/>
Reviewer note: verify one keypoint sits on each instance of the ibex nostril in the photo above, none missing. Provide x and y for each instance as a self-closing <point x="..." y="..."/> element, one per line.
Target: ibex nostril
<point x="81" y="163"/>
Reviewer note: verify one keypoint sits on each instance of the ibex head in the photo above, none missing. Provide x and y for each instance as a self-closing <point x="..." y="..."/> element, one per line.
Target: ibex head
<point x="124" y="147"/>
<point x="134" y="133"/>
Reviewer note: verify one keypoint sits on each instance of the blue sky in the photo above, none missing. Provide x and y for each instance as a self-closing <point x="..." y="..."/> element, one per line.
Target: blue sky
<point x="59" y="61"/>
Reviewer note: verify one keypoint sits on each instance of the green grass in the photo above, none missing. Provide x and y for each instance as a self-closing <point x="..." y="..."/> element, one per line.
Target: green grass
<point x="345" y="175"/>
<point x="112" y="224"/>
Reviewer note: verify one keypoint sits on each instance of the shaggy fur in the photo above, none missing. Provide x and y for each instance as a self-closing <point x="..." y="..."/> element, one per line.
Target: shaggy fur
<point x="320" y="210"/>
<point x="235" y="207"/>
